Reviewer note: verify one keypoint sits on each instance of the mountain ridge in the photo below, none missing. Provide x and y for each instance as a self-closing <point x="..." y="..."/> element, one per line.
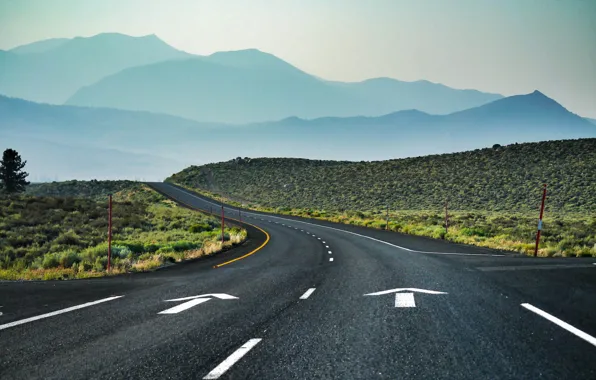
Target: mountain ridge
<point x="53" y="75"/>
<point x="264" y="87"/>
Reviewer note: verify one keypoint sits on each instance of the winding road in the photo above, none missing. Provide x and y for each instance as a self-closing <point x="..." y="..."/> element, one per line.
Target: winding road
<point x="307" y="299"/>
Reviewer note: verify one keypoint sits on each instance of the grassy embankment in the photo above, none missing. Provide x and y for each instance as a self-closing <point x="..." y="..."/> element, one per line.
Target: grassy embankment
<point x="58" y="237"/>
<point x="494" y="194"/>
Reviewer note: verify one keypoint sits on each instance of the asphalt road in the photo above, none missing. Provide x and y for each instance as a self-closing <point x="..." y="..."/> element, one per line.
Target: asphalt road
<point x="301" y="307"/>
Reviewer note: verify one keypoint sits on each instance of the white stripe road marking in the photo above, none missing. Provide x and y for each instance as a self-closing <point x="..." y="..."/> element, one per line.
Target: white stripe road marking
<point x="232" y="359"/>
<point x="307" y="293"/>
<point x="184" y="306"/>
<point x="319" y="238"/>
<point x="324" y="243"/>
<point x="329" y="252"/>
<point x="588" y="338"/>
<point x="360" y="235"/>
<point x="326" y="246"/>
<point x="404" y="300"/>
<point x="57" y="312"/>
<point x="331" y="259"/>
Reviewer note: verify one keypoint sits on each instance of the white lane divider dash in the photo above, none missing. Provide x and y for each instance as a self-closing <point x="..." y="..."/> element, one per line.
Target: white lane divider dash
<point x="326" y="246"/>
<point x="324" y="242"/>
<point x="319" y="238"/>
<point x="307" y="293"/>
<point x="329" y="252"/>
<point x="575" y="331"/>
<point x="57" y="312"/>
<point x="232" y="359"/>
<point x="331" y="259"/>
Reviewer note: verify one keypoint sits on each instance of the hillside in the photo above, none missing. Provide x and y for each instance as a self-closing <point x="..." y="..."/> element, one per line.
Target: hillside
<point x="63" y="236"/>
<point x="96" y="190"/>
<point x="258" y="87"/>
<point x="505" y="178"/>
<point x="51" y="71"/>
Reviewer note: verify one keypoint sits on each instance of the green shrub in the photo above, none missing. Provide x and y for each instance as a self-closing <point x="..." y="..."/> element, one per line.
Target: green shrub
<point x="68" y="258"/>
<point x="69" y="238"/>
<point x="50" y="261"/>
<point x="196" y="228"/>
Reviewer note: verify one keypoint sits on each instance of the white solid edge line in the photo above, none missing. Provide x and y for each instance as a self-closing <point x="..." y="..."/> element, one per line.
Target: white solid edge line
<point x="57" y="312"/>
<point x="575" y="331"/>
<point x="355" y="234"/>
<point x="307" y="293"/>
<point x="232" y="359"/>
<point x="331" y="259"/>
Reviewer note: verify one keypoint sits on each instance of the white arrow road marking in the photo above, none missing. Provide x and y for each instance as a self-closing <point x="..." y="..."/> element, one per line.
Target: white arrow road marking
<point x="221" y="296"/>
<point x="194" y="301"/>
<point x="404" y="300"/>
<point x="232" y="359"/>
<point x="184" y="306"/>
<point x="416" y="290"/>
<point x="57" y="312"/>
<point x="575" y="331"/>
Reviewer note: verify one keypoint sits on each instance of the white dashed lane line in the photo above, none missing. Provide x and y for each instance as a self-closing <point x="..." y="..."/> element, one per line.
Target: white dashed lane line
<point x="331" y="259"/>
<point x="307" y="293"/>
<point x="57" y="312"/>
<point x="232" y="359"/>
<point x="575" y="331"/>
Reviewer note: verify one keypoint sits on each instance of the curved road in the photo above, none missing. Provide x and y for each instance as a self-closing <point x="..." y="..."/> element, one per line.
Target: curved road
<point x="317" y="301"/>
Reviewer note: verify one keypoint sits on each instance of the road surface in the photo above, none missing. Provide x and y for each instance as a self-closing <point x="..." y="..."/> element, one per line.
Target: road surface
<point x="311" y="300"/>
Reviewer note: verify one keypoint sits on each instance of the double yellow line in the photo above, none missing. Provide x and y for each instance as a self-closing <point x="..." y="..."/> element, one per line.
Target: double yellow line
<point x="236" y="220"/>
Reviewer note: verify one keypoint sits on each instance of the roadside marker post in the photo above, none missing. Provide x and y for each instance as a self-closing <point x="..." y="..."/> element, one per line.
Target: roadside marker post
<point x="540" y="221"/>
<point x="109" y="231"/>
<point x="222" y="224"/>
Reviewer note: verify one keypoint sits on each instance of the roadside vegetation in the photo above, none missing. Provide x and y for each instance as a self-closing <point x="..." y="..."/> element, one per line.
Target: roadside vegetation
<point x="493" y="194"/>
<point x="62" y="236"/>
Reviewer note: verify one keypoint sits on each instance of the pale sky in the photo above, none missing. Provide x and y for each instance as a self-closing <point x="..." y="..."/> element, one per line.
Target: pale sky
<point x="505" y="46"/>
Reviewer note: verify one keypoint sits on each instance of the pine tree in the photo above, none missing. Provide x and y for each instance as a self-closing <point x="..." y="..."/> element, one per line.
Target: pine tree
<point x="12" y="178"/>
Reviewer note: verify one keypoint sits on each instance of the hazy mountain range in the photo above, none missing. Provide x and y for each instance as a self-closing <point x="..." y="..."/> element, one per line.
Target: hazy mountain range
<point x="138" y="108"/>
<point x="61" y="141"/>
<point x="144" y="73"/>
<point x="51" y="71"/>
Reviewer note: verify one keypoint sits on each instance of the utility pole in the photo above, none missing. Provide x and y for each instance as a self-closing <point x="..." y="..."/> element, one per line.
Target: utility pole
<point x="109" y="231"/>
<point x="446" y="216"/>
<point x="222" y="224"/>
<point x="540" y="221"/>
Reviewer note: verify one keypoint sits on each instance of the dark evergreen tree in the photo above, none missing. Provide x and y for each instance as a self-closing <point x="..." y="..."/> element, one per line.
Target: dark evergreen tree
<point x="12" y="176"/>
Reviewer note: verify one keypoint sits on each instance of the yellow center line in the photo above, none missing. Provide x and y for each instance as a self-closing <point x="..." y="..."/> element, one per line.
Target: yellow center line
<point x="236" y="220"/>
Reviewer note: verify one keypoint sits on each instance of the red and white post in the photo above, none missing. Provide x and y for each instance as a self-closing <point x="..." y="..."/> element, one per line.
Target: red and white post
<point x="109" y="232"/>
<point x="222" y="224"/>
<point x="540" y="221"/>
